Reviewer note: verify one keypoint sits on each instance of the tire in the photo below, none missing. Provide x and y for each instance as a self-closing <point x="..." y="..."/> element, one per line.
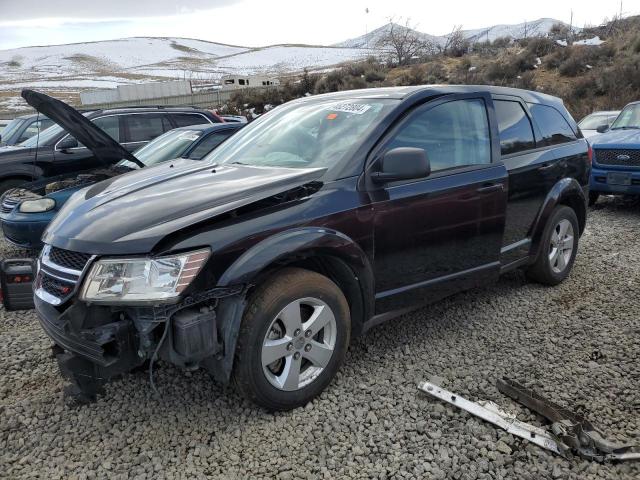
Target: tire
<point x="265" y="336"/>
<point x="554" y="261"/>
<point x="593" y="198"/>
<point x="11" y="183"/>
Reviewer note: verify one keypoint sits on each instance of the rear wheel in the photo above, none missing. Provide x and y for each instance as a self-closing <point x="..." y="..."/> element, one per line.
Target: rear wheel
<point x="593" y="198"/>
<point x="293" y="339"/>
<point x="558" y="248"/>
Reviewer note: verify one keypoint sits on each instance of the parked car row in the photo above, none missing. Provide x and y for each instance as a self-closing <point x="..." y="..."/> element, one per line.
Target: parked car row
<point x="597" y="122"/>
<point x="305" y="228"/>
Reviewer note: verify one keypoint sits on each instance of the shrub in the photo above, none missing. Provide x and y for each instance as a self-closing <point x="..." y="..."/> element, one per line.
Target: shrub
<point x="540" y="46"/>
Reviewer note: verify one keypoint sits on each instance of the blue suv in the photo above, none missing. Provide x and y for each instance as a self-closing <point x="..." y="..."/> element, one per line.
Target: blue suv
<point x="616" y="156"/>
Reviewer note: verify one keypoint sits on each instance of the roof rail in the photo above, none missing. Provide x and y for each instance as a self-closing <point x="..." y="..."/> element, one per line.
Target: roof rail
<point x="154" y="106"/>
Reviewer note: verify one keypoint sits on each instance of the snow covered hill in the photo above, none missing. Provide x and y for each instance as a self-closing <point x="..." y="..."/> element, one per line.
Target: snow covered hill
<point x="66" y="69"/>
<point x="538" y="27"/>
<point x="372" y="39"/>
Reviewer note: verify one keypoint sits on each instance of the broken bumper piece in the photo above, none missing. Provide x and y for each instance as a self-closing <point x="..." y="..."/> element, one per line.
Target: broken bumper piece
<point x="570" y="432"/>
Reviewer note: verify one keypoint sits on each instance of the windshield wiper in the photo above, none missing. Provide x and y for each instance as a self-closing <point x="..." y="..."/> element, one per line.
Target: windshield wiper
<point x="627" y="127"/>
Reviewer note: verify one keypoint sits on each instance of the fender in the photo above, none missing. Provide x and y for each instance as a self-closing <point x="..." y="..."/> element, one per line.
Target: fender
<point x="20" y="170"/>
<point x="291" y="244"/>
<point x="561" y="191"/>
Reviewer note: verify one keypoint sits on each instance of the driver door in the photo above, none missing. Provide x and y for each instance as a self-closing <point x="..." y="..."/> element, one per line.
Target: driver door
<point x="443" y="233"/>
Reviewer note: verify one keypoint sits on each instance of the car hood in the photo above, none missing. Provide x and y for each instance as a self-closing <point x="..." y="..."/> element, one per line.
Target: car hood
<point x="618" y="139"/>
<point x="131" y="213"/>
<point x="104" y="148"/>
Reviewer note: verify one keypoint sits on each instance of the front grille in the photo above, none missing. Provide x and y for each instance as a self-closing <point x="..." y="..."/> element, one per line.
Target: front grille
<point x="67" y="259"/>
<point x="55" y="287"/>
<point x="59" y="274"/>
<point x="621" y="157"/>
<point x="8" y="205"/>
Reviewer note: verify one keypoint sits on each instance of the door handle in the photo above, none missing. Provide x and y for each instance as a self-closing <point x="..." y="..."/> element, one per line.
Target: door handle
<point x="546" y="166"/>
<point x="496" y="187"/>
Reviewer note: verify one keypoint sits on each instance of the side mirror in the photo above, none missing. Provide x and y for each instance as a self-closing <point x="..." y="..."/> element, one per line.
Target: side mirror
<point x="403" y="163"/>
<point x="67" y="144"/>
<point x="602" y="128"/>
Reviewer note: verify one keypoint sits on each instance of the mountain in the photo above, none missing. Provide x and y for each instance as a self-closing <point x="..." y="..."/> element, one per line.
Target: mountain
<point x="64" y="70"/>
<point x="373" y="38"/>
<point x="536" y="28"/>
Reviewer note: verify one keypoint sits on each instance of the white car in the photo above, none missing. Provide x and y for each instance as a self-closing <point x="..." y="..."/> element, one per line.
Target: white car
<point x="590" y="124"/>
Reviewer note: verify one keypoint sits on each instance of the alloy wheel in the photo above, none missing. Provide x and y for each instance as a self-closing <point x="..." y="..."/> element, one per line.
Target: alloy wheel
<point x="561" y="246"/>
<point x="299" y="344"/>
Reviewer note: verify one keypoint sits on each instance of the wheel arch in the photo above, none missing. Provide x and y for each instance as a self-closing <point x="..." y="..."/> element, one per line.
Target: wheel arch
<point x="322" y="250"/>
<point x="565" y="192"/>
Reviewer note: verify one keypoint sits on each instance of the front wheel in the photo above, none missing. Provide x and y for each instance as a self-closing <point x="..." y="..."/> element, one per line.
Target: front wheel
<point x="293" y="339"/>
<point x="558" y="247"/>
<point x="593" y="198"/>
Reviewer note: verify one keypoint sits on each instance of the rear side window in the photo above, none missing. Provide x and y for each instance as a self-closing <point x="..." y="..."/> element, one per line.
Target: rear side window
<point x="516" y="134"/>
<point x="111" y="126"/>
<point x="188" y="119"/>
<point x="143" y="128"/>
<point x="453" y="134"/>
<point x="33" y="129"/>
<point x="208" y="144"/>
<point x="555" y="129"/>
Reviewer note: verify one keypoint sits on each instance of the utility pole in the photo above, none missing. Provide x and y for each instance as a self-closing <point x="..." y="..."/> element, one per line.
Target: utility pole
<point x="571" y="26"/>
<point x="366" y="27"/>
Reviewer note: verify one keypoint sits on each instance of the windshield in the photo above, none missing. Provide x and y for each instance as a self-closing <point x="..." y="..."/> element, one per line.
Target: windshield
<point x="310" y="134"/>
<point x="8" y="131"/>
<point x="44" y="138"/>
<point x="594" y="121"/>
<point x="628" y="118"/>
<point x="171" y="145"/>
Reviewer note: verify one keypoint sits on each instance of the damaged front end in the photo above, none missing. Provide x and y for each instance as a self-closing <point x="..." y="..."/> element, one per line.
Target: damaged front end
<point x="25" y="212"/>
<point x="95" y="343"/>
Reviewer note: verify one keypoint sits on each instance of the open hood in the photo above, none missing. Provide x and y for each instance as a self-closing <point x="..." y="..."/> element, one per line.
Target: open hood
<point x="131" y="213"/>
<point x="105" y="148"/>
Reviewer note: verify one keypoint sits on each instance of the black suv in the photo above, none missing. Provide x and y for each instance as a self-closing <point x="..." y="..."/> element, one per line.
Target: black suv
<point x="60" y="153"/>
<point x="314" y="223"/>
<point x="23" y="128"/>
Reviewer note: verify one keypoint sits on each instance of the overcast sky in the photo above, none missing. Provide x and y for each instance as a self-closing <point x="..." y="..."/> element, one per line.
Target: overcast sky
<point x="265" y="22"/>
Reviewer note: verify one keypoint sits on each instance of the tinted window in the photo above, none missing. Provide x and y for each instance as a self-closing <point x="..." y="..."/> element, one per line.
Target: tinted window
<point x="111" y="126"/>
<point x="209" y="143"/>
<point x="142" y="128"/>
<point x="552" y="124"/>
<point x="33" y="129"/>
<point x="188" y="119"/>
<point x="453" y="134"/>
<point x="514" y="126"/>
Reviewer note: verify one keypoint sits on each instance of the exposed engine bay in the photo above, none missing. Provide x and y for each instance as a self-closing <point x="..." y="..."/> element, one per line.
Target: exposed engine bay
<point x="36" y="190"/>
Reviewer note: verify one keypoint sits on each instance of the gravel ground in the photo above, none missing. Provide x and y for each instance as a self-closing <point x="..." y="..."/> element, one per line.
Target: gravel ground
<point x="576" y="343"/>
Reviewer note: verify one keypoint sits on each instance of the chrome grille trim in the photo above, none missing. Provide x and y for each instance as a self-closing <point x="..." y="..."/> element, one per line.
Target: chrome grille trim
<point x="48" y="271"/>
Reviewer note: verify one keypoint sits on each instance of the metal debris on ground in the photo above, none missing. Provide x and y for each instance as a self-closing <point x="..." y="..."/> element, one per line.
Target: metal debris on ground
<point x="570" y="428"/>
<point x="569" y="431"/>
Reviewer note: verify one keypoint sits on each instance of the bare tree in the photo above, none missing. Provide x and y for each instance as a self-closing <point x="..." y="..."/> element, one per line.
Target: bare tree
<point x="456" y="44"/>
<point x="403" y="43"/>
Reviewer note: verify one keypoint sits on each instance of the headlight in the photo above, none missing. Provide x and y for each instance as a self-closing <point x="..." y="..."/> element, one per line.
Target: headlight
<point x="37" y="206"/>
<point x="142" y="279"/>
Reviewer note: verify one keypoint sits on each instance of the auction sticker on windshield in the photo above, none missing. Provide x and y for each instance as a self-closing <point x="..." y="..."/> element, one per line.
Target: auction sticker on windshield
<point x="356" y="108"/>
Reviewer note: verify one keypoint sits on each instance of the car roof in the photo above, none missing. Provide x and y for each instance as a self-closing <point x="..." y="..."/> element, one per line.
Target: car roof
<point x="30" y="116"/>
<point x="211" y="127"/>
<point x="150" y="108"/>
<point x="605" y="112"/>
<point x="401" y="93"/>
